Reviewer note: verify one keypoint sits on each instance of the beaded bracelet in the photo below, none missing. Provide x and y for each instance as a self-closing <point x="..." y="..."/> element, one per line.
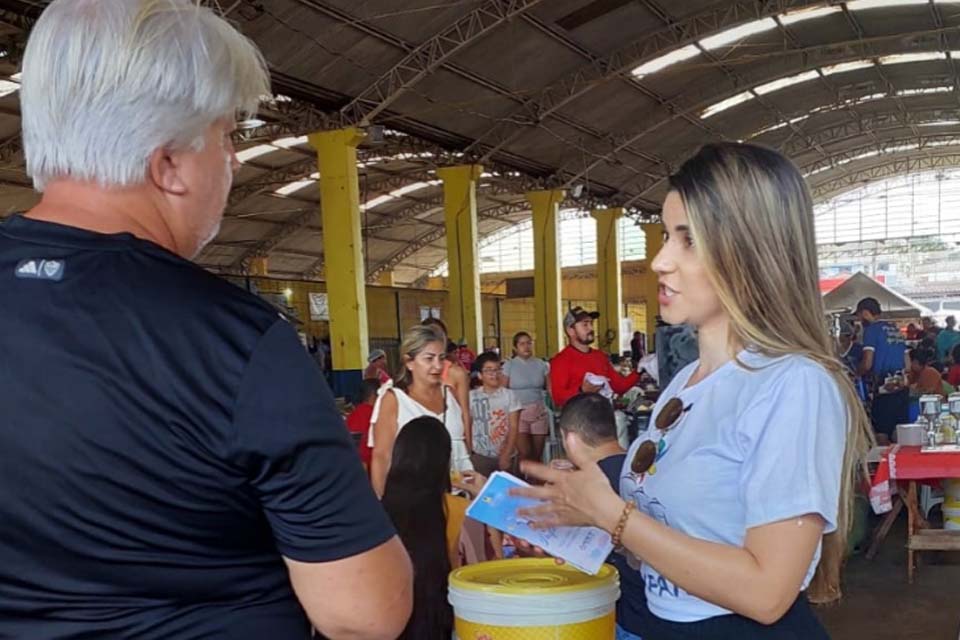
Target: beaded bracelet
<point x="622" y="524"/>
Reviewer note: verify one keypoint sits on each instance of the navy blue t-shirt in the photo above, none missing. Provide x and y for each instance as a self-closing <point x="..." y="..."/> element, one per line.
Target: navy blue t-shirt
<point x="631" y="607"/>
<point x="166" y="440"/>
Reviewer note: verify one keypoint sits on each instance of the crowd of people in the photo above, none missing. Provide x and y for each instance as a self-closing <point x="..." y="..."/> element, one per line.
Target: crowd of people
<point x="891" y="366"/>
<point x="175" y="465"/>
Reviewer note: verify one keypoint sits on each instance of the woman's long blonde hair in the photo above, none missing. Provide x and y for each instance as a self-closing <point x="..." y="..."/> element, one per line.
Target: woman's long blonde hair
<point x="416" y="340"/>
<point x="751" y="217"/>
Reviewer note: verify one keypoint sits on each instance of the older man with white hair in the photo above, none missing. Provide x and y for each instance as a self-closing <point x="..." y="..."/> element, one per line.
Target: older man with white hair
<point x="173" y="463"/>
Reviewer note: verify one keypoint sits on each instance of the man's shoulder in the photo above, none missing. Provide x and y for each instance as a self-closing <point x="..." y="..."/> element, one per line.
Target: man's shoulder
<point x="188" y="291"/>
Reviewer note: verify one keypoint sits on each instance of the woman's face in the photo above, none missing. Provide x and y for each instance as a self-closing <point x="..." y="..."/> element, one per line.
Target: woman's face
<point x="686" y="294"/>
<point x="427" y="366"/>
<point x="525" y="347"/>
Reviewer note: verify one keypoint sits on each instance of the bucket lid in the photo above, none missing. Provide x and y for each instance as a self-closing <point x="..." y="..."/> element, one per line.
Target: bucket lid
<point x="529" y="576"/>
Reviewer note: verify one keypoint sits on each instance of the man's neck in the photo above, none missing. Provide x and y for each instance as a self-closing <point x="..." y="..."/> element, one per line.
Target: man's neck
<point x="488" y="389"/>
<point x="582" y="348"/>
<point x="605" y="450"/>
<point x="92" y="208"/>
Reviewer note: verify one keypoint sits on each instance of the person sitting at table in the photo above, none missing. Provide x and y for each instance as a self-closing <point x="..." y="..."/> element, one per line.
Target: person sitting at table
<point x="922" y="378"/>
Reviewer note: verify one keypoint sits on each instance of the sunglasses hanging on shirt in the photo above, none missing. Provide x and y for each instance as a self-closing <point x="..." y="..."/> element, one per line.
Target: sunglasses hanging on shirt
<point x="667" y="419"/>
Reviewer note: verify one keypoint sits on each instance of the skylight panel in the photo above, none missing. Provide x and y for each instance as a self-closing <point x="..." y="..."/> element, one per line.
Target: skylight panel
<point x="779" y="125"/>
<point x="924" y="91"/>
<point x="843" y="67"/>
<point x="292" y="187"/>
<point x="7" y="87"/>
<point x="736" y="34"/>
<point x="800" y="15"/>
<point x="286" y="143"/>
<point x="861" y="5"/>
<point x="723" y="105"/>
<point x="398" y="193"/>
<point x="254" y="152"/>
<point x="783" y="83"/>
<point x="668" y="59"/>
<point x="921" y="56"/>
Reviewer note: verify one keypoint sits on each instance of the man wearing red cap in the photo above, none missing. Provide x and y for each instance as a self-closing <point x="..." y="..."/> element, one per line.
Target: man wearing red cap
<point x="582" y="369"/>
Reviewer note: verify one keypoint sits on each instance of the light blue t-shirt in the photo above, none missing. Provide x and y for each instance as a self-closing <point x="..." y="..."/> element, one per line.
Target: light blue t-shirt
<point x="755" y="447"/>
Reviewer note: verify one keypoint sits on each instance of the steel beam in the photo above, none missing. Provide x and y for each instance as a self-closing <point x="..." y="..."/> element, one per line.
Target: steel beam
<point x="832" y="186"/>
<point x="428" y="57"/>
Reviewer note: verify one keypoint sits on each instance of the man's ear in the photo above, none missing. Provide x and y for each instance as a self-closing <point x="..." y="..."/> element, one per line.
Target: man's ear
<point x="165" y="171"/>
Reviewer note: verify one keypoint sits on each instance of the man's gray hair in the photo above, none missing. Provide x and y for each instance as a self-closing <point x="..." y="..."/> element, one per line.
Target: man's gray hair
<point x="107" y="82"/>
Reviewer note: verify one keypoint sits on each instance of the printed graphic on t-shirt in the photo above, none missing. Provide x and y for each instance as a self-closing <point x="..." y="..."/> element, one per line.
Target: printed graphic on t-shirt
<point x="490" y="426"/>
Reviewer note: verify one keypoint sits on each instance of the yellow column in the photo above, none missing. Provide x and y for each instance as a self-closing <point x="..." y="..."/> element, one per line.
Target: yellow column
<point x="654" y="236"/>
<point x="464" y="318"/>
<point x="343" y="253"/>
<point x="546" y="271"/>
<point x="609" y="279"/>
<point x="259" y="266"/>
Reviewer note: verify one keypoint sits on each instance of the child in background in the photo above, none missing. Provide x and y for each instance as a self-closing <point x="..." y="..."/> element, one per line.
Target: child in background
<point x="495" y="412"/>
<point x="358" y="422"/>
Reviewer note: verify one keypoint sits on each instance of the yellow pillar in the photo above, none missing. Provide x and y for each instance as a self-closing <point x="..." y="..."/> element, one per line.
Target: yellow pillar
<point x="609" y="279"/>
<point x="464" y="318"/>
<point x="649" y="284"/>
<point x="343" y="253"/>
<point x="259" y="266"/>
<point x="546" y="271"/>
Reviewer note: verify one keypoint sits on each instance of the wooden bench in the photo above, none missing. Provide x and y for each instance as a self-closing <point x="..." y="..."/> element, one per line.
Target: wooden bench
<point x="920" y="537"/>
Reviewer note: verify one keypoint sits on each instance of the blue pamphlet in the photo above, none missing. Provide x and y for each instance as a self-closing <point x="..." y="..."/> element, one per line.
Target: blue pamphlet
<point x="585" y="548"/>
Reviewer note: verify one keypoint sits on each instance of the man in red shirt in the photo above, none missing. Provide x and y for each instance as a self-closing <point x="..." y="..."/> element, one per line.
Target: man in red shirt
<point x="358" y="422"/>
<point x="569" y="369"/>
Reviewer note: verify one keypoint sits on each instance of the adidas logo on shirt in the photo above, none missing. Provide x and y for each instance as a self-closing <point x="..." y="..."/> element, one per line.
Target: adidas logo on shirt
<point x="36" y="269"/>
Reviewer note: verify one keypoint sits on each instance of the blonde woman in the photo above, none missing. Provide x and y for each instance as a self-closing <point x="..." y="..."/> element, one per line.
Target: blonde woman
<point x="419" y="390"/>
<point x="725" y="501"/>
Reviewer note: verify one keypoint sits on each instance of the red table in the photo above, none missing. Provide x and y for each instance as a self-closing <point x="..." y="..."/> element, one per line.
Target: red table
<point x="902" y="464"/>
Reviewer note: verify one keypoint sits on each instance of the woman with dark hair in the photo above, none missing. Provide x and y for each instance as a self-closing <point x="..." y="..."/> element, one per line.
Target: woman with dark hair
<point x="765" y="422"/>
<point x="428" y="519"/>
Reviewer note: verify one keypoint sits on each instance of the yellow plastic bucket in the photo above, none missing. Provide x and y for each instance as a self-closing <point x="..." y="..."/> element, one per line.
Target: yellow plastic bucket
<point x="533" y="599"/>
<point x="951" y="504"/>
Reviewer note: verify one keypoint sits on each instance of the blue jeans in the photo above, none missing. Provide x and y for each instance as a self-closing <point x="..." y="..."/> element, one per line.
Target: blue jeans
<point x="623" y="634"/>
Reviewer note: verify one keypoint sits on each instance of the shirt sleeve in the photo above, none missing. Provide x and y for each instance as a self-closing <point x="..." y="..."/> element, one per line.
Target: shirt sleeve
<point x="620" y="384"/>
<point x="870" y="335"/>
<point x="299" y="459"/>
<point x="792" y="438"/>
<point x="562" y="385"/>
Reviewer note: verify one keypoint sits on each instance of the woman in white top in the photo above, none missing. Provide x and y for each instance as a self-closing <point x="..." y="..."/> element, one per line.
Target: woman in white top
<point x="419" y="390"/>
<point x="724" y="502"/>
<point x="526" y="375"/>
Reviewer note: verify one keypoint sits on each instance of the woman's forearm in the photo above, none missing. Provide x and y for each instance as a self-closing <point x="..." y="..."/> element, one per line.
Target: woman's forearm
<point x="758" y="586"/>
